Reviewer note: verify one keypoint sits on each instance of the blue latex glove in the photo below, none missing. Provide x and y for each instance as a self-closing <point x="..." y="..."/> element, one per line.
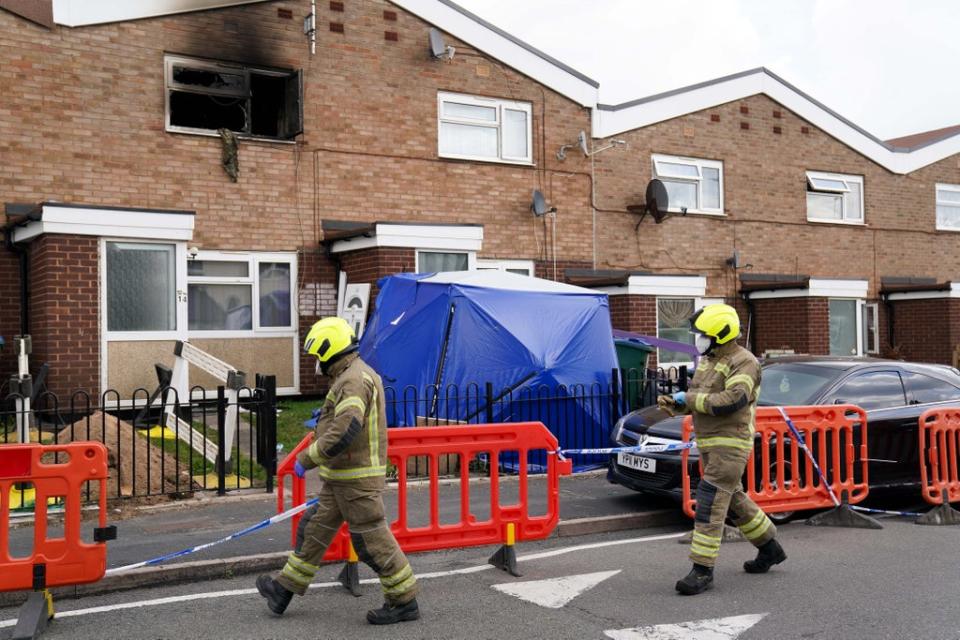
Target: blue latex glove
<point x="299" y="469"/>
<point x="680" y="398"/>
<point x="312" y="422"/>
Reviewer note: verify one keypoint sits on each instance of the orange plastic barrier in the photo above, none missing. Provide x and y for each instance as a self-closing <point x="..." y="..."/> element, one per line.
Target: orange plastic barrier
<point x="939" y="451"/>
<point x="58" y="561"/>
<point x="780" y="477"/>
<point x="466" y="441"/>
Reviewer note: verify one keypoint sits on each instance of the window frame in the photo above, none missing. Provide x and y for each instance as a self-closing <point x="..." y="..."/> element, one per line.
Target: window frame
<point x="954" y="188"/>
<point x="500" y="105"/>
<point x="471" y="258"/>
<point x="180" y="293"/>
<point x="489" y="264"/>
<point x="844" y="178"/>
<point x="699" y="164"/>
<point x="699" y="302"/>
<point x="865" y="348"/>
<point x="253" y="260"/>
<point x="169" y="85"/>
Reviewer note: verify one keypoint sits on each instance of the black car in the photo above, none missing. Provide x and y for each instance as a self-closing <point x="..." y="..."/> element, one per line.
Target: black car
<point x="894" y="394"/>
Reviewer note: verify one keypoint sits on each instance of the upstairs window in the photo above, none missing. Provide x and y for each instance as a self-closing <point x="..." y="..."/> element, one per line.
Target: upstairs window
<point x="204" y="96"/>
<point x="477" y="128"/>
<point x="692" y="185"/>
<point x="834" y="197"/>
<point x="948" y="207"/>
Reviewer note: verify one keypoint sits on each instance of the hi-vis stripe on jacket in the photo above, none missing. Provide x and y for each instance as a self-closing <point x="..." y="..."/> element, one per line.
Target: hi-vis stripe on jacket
<point x="350" y="442"/>
<point x="723" y="398"/>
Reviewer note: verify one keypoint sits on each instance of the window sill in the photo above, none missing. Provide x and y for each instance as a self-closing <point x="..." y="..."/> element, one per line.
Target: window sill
<point x="698" y="212"/>
<point x="949" y="229"/>
<point x="511" y="163"/>
<point x="846" y="223"/>
<point x="243" y="137"/>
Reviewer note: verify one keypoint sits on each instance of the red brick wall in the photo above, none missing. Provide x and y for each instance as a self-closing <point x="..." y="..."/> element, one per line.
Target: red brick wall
<point x="801" y="324"/>
<point x="765" y="204"/>
<point x="64" y="313"/>
<point x="927" y="330"/>
<point x="9" y="311"/>
<point x="369" y="265"/>
<point x="545" y="268"/>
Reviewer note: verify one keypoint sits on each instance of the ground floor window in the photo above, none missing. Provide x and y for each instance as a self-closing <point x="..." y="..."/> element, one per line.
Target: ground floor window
<point x="520" y="267"/>
<point x="871" y="328"/>
<point x="239" y="292"/>
<point x="436" y="261"/>
<point x="845" y="327"/>
<point x="141" y="286"/>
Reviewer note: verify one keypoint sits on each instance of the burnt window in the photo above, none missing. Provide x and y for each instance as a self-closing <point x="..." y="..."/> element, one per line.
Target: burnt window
<point x="204" y="96"/>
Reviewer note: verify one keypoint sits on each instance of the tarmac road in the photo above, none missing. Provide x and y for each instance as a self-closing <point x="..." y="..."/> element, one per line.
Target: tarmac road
<point x="850" y="584"/>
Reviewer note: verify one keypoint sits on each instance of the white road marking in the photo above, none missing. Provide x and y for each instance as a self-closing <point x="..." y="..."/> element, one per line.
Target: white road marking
<point x="554" y="592"/>
<point x="712" y="629"/>
<point x="326" y="585"/>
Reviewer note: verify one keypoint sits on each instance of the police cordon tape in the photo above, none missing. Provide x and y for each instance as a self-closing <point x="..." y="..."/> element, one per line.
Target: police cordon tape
<point x="647" y="448"/>
<point x="263" y="524"/>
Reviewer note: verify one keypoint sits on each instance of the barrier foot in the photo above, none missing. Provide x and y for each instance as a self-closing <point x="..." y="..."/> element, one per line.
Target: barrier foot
<point x="942" y="514"/>
<point x="843" y="516"/>
<point x="350" y="578"/>
<point x="506" y="558"/>
<point x="34" y="615"/>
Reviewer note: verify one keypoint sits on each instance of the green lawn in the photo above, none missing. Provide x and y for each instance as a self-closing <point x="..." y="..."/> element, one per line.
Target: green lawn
<point x="290" y="430"/>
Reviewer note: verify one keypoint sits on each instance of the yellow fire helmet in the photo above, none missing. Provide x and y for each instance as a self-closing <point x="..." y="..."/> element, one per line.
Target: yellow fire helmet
<point x="329" y="338"/>
<point x="719" y="322"/>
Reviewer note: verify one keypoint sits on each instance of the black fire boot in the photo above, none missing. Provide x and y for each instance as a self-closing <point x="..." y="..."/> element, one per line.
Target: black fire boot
<point x="390" y="614"/>
<point x="697" y="581"/>
<point x="276" y="594"/>
<point x="769" y="554"/>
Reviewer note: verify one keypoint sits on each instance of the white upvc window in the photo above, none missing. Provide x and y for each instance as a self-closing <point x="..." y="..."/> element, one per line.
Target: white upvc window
<point x="693" y="185"/>
<point x="240" y="294"/>
<point x="521" y="267"/>
<point x="437" y="261"/>
<point x="142" y="288"/>
<point x="948" y="207"/>
<point x="871" y="328"/>
<point x="834" y="197"/>
<point x="489" y="129"/>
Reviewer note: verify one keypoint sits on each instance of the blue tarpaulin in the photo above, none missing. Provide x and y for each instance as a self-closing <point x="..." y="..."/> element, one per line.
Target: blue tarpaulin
<point x="546" y="347"/>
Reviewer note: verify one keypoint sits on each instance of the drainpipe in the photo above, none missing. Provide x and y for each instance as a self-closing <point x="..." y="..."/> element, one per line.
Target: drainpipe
<point x="24" y="257"/>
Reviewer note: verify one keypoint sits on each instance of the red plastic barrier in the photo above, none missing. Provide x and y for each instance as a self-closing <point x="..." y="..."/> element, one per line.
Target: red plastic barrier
<point x="837" y="438"/>
<point x="67" y="560"/>
<point x="939" y="450"/>
<point x="466" y="441"/>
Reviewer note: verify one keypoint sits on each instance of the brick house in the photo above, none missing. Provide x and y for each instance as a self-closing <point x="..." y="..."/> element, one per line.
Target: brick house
<point x="828" y="240"/>
<point x="369" y="156"/>
<point x="132" y="222"/>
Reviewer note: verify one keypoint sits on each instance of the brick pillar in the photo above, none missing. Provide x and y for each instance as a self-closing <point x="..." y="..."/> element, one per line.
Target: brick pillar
<point x="926" y="330"/>
<point x="369" y="265"/>
<point x="317" y="298"/>
<point x="65" y="313"/>
<point x="801" y="324"/>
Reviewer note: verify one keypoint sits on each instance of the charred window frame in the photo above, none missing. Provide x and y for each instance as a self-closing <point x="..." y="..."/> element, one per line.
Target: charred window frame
<point x="203" y="96"/>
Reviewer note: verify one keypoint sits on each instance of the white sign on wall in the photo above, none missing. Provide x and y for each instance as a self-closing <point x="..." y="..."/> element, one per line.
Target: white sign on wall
<point x="356" y="301"/>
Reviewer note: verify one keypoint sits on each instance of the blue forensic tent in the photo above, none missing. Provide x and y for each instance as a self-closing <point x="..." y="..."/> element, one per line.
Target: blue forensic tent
<point x="546" y="347"/>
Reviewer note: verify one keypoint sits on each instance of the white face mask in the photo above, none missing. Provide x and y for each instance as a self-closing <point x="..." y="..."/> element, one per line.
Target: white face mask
<point x="703" y="343"/>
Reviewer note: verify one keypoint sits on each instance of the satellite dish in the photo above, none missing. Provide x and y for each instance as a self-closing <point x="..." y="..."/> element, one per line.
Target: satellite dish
<point x="539" y="204"/>
<point x="438" y="48"/>
<point x="657" y="200"/>
<point x="582" y="141"/>
<point x="656" y="203"/>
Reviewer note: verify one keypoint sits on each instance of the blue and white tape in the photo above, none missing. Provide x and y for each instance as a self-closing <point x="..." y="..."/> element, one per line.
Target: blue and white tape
<point x="906" y="514"/>
<point x="263" y="524"/>
<point x="646" y="448"/>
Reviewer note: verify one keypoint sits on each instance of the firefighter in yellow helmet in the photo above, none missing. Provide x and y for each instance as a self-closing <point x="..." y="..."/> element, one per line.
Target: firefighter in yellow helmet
<point x="723" y="399"/>
<point x="350" y="452"/>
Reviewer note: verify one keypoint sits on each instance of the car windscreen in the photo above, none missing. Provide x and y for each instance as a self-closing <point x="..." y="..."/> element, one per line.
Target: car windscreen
<point x="793" y="384"/>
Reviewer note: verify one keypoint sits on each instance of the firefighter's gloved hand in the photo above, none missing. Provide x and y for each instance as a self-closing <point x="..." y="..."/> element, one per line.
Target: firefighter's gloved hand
<point x="299" y="469"/>
<point x="680" y="398"/>
<point x="312" y="422"/>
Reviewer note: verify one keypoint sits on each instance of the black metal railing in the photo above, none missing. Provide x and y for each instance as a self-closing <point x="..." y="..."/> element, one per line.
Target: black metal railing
<point x="146" y="456"/>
